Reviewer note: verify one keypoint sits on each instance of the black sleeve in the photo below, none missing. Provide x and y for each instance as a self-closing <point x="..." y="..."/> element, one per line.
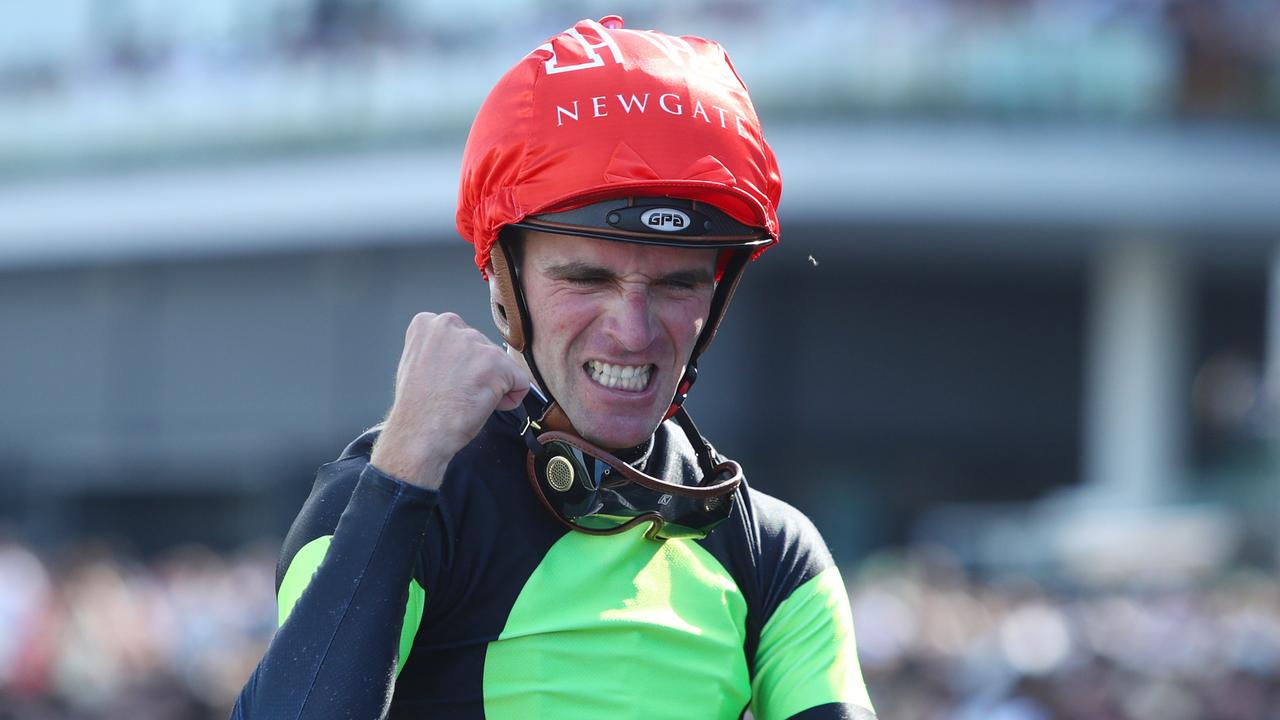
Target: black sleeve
<point x="835" y="711"/>
<point x="336" y="653"/>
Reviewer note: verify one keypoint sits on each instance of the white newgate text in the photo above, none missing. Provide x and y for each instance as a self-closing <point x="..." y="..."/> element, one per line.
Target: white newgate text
<point x="604" y="49"/>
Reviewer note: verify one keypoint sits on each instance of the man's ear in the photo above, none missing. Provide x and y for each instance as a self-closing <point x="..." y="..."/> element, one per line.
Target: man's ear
<point x="489" y="273"/>
<point x="502" y="301"/>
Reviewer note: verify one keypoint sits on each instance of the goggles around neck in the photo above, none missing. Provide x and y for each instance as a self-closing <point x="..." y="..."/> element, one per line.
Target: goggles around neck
<point x="591" y="490"/>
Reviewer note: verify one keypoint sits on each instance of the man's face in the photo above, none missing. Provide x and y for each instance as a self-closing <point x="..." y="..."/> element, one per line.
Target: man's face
<point x="614" y="324"/>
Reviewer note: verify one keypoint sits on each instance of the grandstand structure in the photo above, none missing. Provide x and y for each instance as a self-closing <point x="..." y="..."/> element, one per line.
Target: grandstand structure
<point x="1029" y="259"/>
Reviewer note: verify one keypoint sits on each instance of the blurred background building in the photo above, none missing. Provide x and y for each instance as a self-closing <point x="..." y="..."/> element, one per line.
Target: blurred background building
<point x="1018" y="353"/>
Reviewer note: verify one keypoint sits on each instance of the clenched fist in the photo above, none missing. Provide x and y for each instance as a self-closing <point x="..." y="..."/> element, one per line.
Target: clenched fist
<point x="450" y="379"/>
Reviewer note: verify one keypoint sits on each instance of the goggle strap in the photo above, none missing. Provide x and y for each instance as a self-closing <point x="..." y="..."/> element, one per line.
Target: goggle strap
<point x="648" y="481"/>
<point x="537" y="434"/>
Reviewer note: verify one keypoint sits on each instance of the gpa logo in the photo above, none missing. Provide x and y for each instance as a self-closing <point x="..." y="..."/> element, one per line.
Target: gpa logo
<point x="665" y="219"/>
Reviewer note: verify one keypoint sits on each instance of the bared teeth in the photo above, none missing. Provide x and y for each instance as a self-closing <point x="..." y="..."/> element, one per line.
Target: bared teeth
<point x="622" y="377"/>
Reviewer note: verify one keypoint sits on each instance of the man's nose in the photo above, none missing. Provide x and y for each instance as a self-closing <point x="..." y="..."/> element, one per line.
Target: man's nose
<point x="630" y="320"/>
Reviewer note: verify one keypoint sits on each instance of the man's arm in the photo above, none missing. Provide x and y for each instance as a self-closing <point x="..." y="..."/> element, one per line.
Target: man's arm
<point x="340" y="641"/>
<point x="336" y="653"/>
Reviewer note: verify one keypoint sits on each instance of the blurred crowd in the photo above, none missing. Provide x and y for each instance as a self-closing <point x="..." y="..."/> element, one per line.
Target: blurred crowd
<point x="938" y="644"/>
<point x="95" y="635"/>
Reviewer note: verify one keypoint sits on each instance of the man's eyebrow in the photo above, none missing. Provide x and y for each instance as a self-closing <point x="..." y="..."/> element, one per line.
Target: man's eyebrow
<point x="579" y="269"/>
<point x="691" y="276"/>
<point x="575" y="269"/>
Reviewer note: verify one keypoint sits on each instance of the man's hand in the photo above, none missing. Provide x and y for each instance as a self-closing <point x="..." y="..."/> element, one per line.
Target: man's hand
<point x="450" y="379"/>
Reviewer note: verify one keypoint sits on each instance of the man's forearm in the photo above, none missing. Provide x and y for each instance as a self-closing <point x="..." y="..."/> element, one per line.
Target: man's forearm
<point x="339" y="643"/>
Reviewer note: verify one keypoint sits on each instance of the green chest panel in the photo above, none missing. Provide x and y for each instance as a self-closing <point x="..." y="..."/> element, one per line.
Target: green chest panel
<point x="667" y="613"/>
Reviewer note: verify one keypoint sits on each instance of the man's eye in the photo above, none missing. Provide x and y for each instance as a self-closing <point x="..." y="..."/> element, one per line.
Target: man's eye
<point x="680" y="283"/>
<point x="585" y="279"/>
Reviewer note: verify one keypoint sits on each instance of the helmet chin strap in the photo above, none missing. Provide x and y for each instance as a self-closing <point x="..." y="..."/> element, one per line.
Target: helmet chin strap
<point x="682" y="390"/>
<point x="518" y="332"/>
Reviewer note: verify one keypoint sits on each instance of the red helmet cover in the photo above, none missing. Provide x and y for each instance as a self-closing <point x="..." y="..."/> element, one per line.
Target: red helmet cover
<point x="599" y="111"/>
